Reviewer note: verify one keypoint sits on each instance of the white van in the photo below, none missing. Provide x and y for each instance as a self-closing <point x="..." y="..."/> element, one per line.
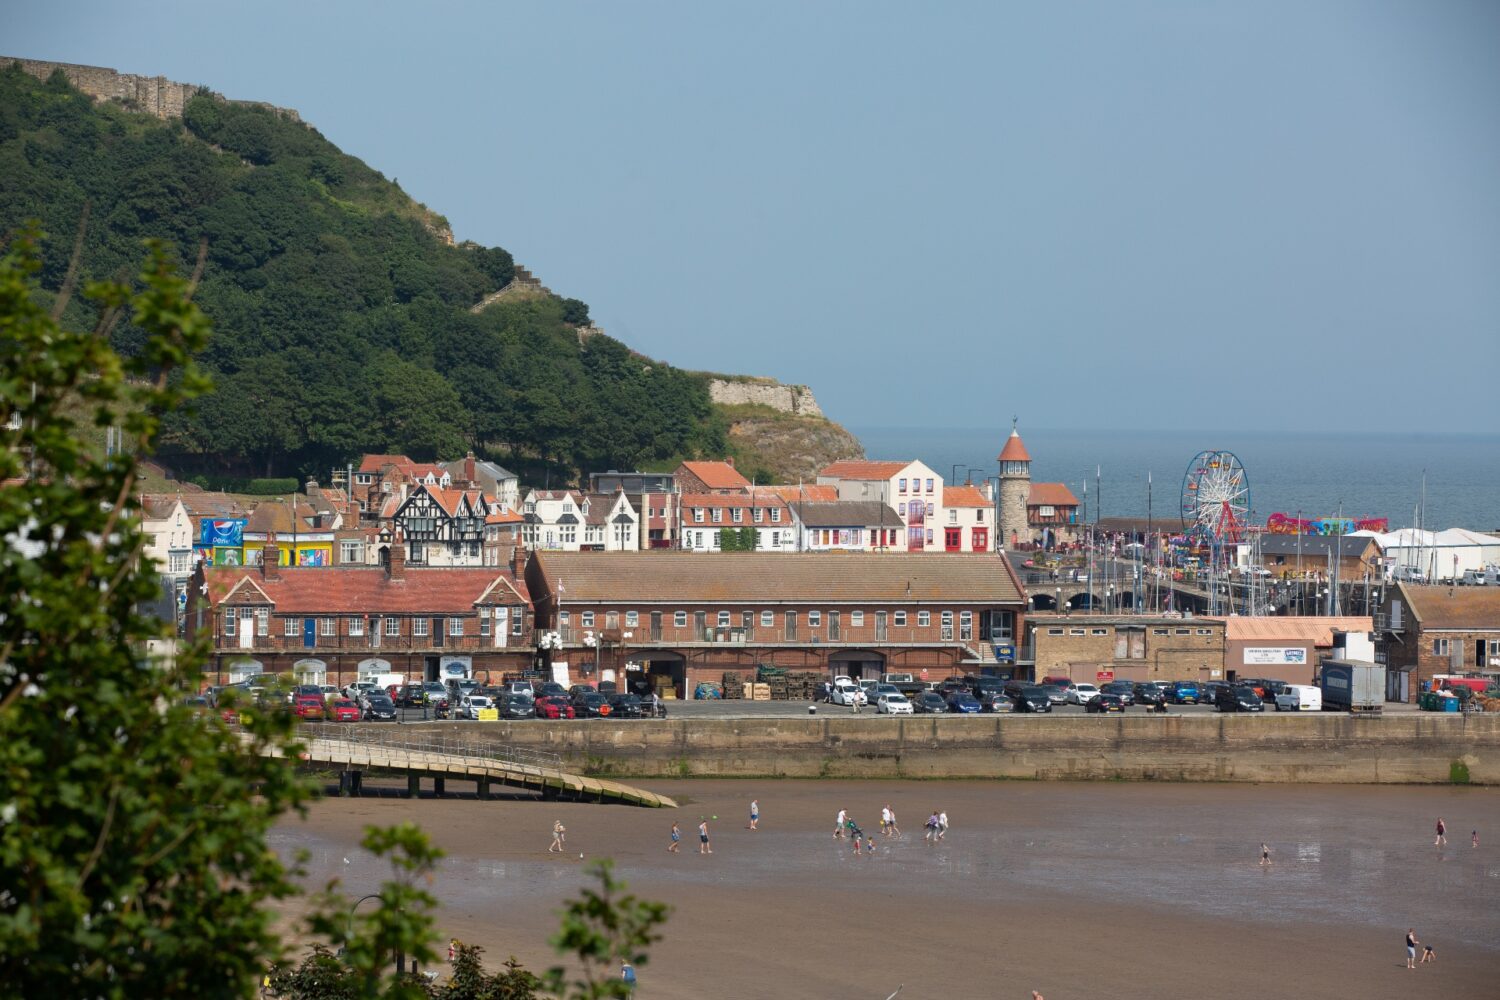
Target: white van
<point x="1299" y="698"/>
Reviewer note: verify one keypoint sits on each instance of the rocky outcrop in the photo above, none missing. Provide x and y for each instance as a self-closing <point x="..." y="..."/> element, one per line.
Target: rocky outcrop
<point x="796" y="399"/>
<point x="792" y="447"/>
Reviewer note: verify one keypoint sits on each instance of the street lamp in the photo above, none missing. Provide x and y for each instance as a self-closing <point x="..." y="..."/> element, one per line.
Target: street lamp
<point x="400" y="957"/>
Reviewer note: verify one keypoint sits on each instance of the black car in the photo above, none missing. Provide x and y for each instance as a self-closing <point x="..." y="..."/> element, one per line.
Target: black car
<point x="1124" y="689"/>
<point x="1208" y="694"/>
<point x="929" y="701"/>
<point x="1149" y="693"/>
<point x="1105" y="702"/>
<point x="580" y="689"/>
<point x="379" y="708"/>
<point x="551" y="689"/>
<point x="591" y="705"/>
<point x="950" y="685"/>
<point x="516" y="707"/>
<point x="1238" y="699"/>
<point x="985" y="684"/>
<point x="1030" y="698"/>
<point x="607" y="688"/>
<point x="626" y="706"/>
<point x="409" y="696"/>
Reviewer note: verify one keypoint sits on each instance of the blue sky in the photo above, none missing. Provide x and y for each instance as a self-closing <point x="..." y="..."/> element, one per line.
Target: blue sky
<point x="1272" y="215"/>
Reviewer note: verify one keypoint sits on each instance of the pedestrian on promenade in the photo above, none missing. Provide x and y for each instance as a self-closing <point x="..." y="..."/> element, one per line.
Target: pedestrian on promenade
<point x="704" y="847"/>
<point x="755" y="814"/>
<point x="627" y="976"/>
<point x="559" y="834"/>
<point x="1442" y="834"/>
<point x="1411" y="947"/>
<point x="838" y="824"/>
<point x="1265" y="855"/>
<point x="942" y="828"/>
<point x="676" y="843"/>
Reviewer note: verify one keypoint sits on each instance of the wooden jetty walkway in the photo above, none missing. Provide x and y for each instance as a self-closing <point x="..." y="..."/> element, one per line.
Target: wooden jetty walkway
<point x="441" y="759"/>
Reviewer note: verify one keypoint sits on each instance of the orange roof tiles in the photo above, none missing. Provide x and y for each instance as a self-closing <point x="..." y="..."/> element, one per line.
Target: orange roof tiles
<point x="356" y="589"/>
<point x="965" y="496"/>
<point x="1014" y="450"/>
<point x="809" y="493"/>
<point x="1051" y="495"/>
<point x="717" y="475"/>
<point x="851" y="468"/>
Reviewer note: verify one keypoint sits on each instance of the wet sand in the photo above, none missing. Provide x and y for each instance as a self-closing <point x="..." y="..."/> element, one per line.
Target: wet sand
<point x="1076" y="890"/>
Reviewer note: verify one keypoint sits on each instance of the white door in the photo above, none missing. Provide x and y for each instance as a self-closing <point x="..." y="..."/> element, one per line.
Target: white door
<point x="247" y="628"/>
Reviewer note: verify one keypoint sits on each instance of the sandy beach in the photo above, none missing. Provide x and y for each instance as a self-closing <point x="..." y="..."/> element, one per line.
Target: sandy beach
<point x="1076" y="890"/>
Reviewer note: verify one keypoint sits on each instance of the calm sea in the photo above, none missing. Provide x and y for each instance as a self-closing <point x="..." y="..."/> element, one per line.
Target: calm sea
<point x="1370" y="475"/>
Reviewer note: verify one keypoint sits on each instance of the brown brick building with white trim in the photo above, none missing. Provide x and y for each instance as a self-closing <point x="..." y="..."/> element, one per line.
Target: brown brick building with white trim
<point x="1421" y="631"/>
<point x="692" y="617"/>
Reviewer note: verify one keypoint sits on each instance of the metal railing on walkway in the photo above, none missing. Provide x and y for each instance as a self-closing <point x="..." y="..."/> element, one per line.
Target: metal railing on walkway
<point x="472" y="753"/>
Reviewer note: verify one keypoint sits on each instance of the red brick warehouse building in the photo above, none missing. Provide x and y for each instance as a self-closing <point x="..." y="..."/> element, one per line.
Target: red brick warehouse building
<point x="692" y="617"/>
<point x="334" y="624"/>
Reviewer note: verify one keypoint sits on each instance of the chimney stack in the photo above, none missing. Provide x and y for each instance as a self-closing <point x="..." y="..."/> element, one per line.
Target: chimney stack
<point x="310" y="487"/>
<point x="729" y="461"/>
<point x="469" y="476"/>
<point x="395" y="568"/>
<point x="270" y="559"/>
<point x="517" y="560"/>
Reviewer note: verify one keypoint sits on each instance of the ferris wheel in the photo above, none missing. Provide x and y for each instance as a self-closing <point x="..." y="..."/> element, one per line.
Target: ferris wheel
<point x="1215" y="498"/>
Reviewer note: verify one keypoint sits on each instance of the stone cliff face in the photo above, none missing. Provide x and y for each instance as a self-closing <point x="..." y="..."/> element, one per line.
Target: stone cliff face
<point x="764" y="392"/>
<point x="154" y="95"/>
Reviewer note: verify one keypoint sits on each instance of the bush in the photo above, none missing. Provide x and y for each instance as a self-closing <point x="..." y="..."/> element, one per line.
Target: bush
<point x="251" y="487"/>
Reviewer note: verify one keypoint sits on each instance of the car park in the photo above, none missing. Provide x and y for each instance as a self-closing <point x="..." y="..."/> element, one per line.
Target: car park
<point x="1208" y="694"/>
<point x="553" y="707"/>
<point x="378" y="707"/>
<point x="893" y="704"/>
<point x="963" y="703"/>
<point x="1055" y="694"/>
<point x="1057" y="680"/>
<point x="343" y="710"/>
<point x="1030" y="698"/>
<point x="580" y="689"/>
<point x="1148" y="693"/>
<point x="1079" y="694"/>
<point x="472" y="704"/>
<point x="868" y="686"/>
<point x="1124" y="689"/>
<point x="1238" y="699"/>
<point x="1105" y="702"/>
<point x="549" y="689"/>
<point x="846" y="693"/>
<point x="881" y="690"/>
<point x="929" y="703"/>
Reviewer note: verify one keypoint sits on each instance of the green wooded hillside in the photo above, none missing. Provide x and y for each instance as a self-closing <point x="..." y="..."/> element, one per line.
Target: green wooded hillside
<point x="342" y="317"/>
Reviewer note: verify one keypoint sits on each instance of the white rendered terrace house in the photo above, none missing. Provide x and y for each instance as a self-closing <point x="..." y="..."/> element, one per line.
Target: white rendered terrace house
<point x="705" y="516"/>
<point x="911" y="488"/>
<point x="574" y="521"/>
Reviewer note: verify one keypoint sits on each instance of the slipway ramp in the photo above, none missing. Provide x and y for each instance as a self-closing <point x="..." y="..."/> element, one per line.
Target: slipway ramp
<point x="443" y="758"/>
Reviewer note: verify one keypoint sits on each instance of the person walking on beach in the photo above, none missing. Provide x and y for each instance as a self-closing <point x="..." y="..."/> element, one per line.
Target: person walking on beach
<point x="891" y="828"/>
<point x="885" y="820"/>
<point x="838" y="823"/>
<point x="942" y="827"/>
<point x="1474" y="839"/>
<point x="1265" y="855"/>
<point x="755" y="814"/>
<point x="704" y="847"/>
<point x="932" y="827"/>
<point x="1442" y="834"/>
<point x="1411" y="947"/>
<point x="559" y="834"/>
<point x="676" y="843"/>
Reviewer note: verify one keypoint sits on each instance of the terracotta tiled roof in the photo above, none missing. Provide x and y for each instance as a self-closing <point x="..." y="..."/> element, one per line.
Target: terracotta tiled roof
<point x="212" y="504"/>
<point x="1014" y="450"/>
<point x="965" y="496"/>
<point x="1051" y="495"/>
<point x="155" y="507"/>
<point x="356" y="589"/>
<point x="718" y="475"/>
<point x="1316" y="630"/>
<point x="753" y="577"/>
<point x="1454" y="607"/>
<point x="850" y="468"/>
<point x="374" y="463"/>
<point x="277" y="516"/>
<point x="449" y="499"/>
<point x="810" y="493"/>
<point x="709" y="500"/>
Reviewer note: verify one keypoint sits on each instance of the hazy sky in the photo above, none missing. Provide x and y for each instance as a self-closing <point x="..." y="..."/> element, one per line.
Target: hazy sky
<point x="1233" y="215"/>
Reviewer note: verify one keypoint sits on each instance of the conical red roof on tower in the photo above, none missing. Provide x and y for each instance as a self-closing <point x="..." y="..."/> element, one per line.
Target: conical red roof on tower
<point x="1014" y="450"/>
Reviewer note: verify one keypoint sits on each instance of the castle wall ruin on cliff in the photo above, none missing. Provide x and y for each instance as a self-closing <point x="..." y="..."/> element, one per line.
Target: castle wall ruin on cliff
<point x="796" y="399"/>
<point x="154" y="95"/>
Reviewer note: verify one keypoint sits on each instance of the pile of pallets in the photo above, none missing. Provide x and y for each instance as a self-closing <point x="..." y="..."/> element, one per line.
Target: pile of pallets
<point x="734" y="686"/>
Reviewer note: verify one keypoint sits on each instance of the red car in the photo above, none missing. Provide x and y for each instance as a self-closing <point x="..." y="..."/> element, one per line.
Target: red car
<point x="308" y="706"/>
<point x="553" y="708"/>
<point x="344" y="710"/>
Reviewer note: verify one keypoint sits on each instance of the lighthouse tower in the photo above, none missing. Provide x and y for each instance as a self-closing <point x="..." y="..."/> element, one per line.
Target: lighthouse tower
<point x="1015" y="490"/>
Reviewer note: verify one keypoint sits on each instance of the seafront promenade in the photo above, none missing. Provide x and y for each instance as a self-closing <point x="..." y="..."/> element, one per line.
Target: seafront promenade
<point x="1327" y="747"/>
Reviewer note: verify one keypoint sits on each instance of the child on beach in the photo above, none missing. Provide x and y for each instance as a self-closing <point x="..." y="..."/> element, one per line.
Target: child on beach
<point x="1428" y="955"/>
<point x="755" y="814"/>
<point x="676" y="839"/>
<point x="559" y="834"/>
<point x="870" y="846"/>
<point x="1265" y="855"/>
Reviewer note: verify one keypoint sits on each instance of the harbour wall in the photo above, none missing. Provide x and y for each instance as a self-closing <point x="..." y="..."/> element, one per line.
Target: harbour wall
<point x="1409" y="748"/>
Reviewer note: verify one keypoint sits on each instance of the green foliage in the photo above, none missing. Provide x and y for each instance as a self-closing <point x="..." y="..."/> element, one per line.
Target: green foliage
<point x="250" y="487"/>
<point x="342" y="317"/>
<point x="738" y="539"/>
<point x="602" y="929"/>
<point x="1458" y="773"/>
<point x="133" y="857"/>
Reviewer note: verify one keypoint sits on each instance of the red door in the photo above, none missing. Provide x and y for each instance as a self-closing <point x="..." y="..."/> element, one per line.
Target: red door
<point x="981" y="539"/>
<point x="953" y="539"/>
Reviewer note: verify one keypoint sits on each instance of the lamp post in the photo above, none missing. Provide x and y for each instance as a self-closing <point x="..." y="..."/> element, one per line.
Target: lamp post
<point x="399" y="957"/>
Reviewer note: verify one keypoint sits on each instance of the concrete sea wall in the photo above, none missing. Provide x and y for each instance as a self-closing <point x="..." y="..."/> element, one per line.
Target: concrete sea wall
<point x="1329" y="748"/>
